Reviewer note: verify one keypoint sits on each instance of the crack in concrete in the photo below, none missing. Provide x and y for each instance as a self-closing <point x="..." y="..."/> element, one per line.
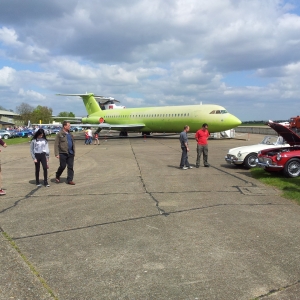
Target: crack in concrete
<point x="277" y="290"/>
<point x="160" y="210"/>
<point x="30" y="194"/>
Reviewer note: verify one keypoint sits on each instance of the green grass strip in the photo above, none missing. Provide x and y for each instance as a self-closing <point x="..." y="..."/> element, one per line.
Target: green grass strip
<point x="290" y="187"/>
<point x="15" y="141"/>
<point x="32" y="268"/>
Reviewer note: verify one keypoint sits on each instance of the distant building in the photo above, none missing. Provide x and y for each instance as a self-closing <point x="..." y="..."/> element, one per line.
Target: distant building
<point x="9" y="119"/>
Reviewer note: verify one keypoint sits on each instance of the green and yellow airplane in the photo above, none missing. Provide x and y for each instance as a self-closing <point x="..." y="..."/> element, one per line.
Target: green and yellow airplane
<point x="165" y="119"/>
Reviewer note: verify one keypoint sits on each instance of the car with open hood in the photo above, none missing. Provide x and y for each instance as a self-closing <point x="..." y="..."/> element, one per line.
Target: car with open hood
<point x="247" y="155"/>
<point x="285" y="159"/>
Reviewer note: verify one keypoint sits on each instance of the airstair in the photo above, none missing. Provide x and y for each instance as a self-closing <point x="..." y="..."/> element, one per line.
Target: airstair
<point x="227" y="134"/>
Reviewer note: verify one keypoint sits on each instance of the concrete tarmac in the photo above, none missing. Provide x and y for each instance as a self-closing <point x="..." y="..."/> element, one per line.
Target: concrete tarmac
<point x="135" y="226"/>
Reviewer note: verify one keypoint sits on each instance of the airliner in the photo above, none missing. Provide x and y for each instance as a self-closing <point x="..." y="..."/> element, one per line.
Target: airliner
<point x="165" y="119"/>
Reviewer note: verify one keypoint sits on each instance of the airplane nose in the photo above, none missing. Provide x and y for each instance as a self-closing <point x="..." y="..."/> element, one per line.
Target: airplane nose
<point x="234" y="121"/>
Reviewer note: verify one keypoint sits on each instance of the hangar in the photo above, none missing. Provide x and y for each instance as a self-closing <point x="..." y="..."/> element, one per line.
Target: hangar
<point x="9" y="119"/>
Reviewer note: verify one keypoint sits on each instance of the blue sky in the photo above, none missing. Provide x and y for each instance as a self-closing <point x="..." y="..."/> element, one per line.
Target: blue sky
<point x="241" y="54"/>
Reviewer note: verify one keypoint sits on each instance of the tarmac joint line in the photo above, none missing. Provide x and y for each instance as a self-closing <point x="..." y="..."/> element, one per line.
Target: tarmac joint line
<point x="137" y="218"/>
<point x="29" y="264"/>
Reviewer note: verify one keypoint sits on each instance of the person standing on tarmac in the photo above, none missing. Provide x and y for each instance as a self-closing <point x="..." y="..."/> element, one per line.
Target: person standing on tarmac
<point x="2" y="192"/>
<point x="90" y="134"/>
<point x="184" y="163"/>
<point x="64" y="150"/>
<point x="39" y="150"/>
<point x="201" y="137"/>
<point x="96" y="137"/>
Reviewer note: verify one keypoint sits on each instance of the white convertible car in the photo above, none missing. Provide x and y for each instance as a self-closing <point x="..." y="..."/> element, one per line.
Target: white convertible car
<point x="247" y="155"/>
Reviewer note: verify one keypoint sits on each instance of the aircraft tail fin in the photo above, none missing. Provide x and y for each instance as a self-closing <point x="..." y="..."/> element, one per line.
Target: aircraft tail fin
<point x="90" y="103"/>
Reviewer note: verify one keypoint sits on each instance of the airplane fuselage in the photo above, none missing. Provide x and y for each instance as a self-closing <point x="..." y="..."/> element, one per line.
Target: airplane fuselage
<point x="168" y="118"/>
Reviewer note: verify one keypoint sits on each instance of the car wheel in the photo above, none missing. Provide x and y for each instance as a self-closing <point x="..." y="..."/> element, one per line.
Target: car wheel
<point x="250" y="160"/>
<point x="292" y="168"/>
<point x="5" y="136"/>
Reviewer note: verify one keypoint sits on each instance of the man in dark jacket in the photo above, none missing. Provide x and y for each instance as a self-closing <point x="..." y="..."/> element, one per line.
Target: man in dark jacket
<point x="183" y="138"/>
<point x="64" y="149"/>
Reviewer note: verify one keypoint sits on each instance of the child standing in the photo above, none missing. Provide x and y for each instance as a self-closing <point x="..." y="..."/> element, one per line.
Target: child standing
<point x="86" y="142"/>
<point x="39" y="150"/>
<point x="96" y="137"/>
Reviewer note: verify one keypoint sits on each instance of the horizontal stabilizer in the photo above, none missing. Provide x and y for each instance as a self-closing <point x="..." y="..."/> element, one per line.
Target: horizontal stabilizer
<point x="82" y="95"/>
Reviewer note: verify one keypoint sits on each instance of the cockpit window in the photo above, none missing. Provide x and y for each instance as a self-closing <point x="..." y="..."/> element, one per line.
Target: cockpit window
<point x="223" y="111"/>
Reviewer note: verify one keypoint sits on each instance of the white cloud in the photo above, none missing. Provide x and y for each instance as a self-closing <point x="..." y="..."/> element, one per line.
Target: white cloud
<point x="9" y="37"/>
<point x="162" y="52"/>
<point x="6" y="76"/>
<point x="31" y="94"/>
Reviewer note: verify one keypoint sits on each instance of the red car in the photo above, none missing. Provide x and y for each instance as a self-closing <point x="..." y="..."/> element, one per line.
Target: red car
<point x="286" y="159"/>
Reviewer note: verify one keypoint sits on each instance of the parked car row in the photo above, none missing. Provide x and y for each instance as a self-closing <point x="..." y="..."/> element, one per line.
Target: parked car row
<point x="24" y="133"/>
<point x="273" y="154"/>
<point x="286" y="159"/>
<point x="247" y="155"/>
<point x="7" y="134"/>
<point x="76" y="128"/>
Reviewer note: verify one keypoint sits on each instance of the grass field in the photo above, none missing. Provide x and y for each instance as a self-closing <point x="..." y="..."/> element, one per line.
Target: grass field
<point x="253" y="124"/>
<point x="18" y="140"/>
<point x="290" y="187"/>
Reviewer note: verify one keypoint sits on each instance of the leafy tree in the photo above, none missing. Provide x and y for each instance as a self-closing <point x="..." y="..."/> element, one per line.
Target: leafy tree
<point x="42" y="113"/>
<point x="66" y="114"/>
<point x="25" y="111"/>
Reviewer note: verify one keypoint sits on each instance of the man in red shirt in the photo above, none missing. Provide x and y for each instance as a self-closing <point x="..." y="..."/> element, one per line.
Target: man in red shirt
<point x="201" y="137"/>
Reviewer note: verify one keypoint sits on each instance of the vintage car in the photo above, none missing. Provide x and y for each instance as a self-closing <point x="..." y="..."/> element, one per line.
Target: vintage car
<point x="24" y="133"/>
<point x="286" y="159"/>
<point x="247" y="155"/>
<point x="7" y="134"/>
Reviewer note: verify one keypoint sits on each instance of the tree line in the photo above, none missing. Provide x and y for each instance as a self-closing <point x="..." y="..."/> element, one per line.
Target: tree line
<point x="35" y="114"/>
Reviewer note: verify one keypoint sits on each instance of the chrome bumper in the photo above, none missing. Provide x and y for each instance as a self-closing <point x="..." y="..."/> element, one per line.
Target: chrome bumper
<point x="267" y="165"/>
<point x="233" y="161"/>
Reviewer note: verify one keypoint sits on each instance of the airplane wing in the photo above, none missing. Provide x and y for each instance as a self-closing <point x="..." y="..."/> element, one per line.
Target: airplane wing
<point x="47" y="124"/>
<point x="68" y="119"/>
<point x="112" y="126"/>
